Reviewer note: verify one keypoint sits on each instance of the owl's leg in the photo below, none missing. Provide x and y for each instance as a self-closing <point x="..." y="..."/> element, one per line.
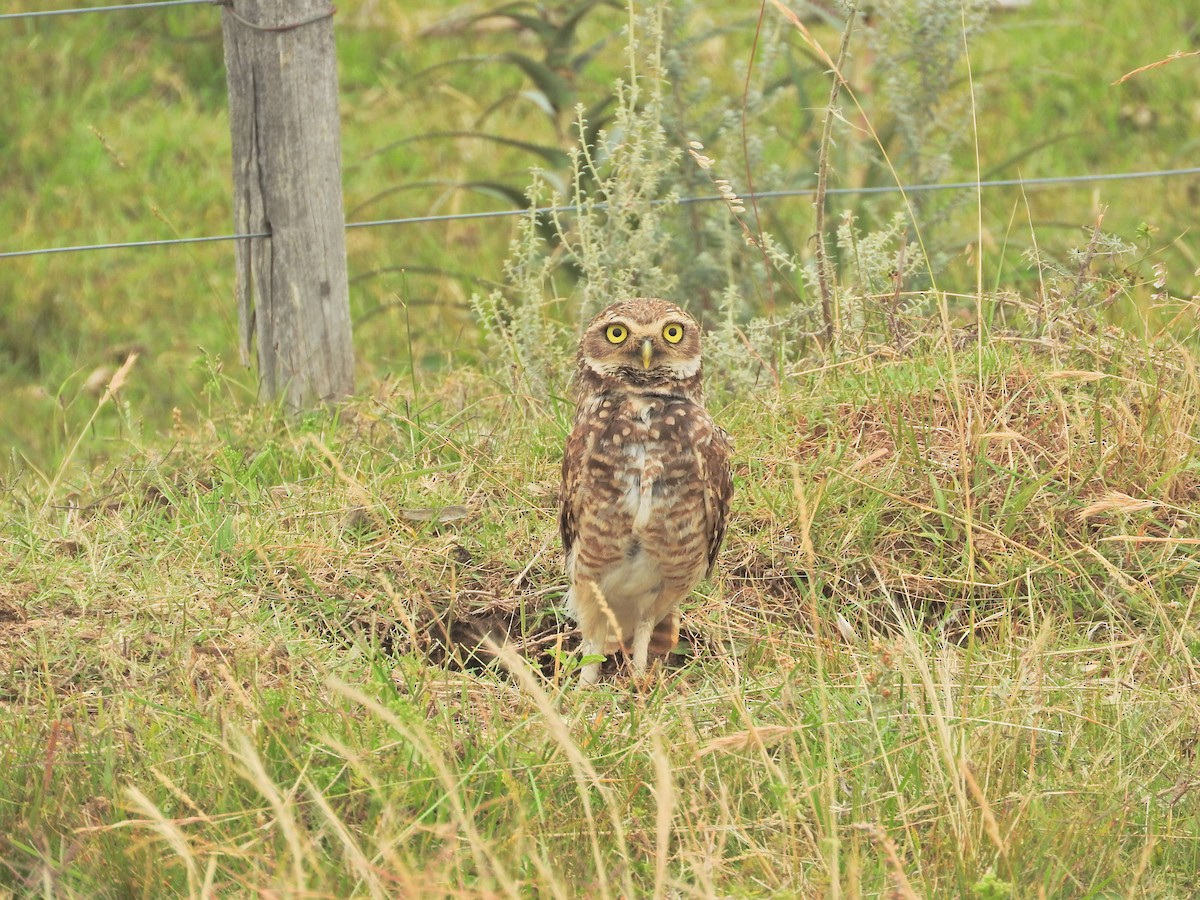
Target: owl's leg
<point x="588" y="607"/>
<point x="590" y="673"/>
<point x="641" y="646"/>
<point x="665" y="637"/>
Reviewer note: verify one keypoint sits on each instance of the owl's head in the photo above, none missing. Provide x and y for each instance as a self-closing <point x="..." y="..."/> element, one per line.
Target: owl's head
<point x="644" y="343"/>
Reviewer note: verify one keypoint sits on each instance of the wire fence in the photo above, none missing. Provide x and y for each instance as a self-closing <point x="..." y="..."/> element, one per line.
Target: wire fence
<point x="570" y="208"/>
<point x="1049" y="181"/>
<point x="124" y="7"/>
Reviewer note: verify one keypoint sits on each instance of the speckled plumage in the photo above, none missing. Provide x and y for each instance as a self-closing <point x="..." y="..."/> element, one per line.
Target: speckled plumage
<point x="646" y="480"/>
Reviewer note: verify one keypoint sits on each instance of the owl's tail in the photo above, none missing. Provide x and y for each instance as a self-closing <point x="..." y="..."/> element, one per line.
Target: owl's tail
<point x="665" y="635"/>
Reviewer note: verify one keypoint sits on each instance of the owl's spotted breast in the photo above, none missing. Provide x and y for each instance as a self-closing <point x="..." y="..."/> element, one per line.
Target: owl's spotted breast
<point x="641" y="460"/>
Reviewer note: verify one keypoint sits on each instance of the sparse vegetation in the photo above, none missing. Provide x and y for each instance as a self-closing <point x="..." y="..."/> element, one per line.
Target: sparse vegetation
<point x="951" y="647"/>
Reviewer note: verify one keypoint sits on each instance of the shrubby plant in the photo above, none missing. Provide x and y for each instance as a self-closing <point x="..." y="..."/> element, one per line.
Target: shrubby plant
<point x="615" y="238"/>
<point x="918" y="49"/>
<point x="875" y="267"/>
<point x="1077" y="287"/>
<point x="626" y="236"/>
<point x="756" y="292"/>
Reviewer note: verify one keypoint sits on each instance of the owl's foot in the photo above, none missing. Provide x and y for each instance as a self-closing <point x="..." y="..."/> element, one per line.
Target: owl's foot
<point x="643" y="682"/>
<point x="590" y="673"/>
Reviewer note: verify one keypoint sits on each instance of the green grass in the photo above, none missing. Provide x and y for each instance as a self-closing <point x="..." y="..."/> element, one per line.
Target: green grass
<point x="950" y="647"/>
<point x="215" y="666"/>
<point x="117" y="131"/>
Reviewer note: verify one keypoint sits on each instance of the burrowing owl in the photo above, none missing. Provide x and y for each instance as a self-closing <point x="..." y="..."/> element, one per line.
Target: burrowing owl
<point x="646" y="481"/>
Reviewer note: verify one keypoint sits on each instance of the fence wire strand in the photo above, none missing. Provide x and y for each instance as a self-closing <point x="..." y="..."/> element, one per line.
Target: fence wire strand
<point x="37" y="14"/>
<point x="1049" y="181"/>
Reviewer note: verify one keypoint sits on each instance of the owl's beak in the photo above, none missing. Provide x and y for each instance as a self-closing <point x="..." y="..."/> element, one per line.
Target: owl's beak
<point x="647" y="352"/>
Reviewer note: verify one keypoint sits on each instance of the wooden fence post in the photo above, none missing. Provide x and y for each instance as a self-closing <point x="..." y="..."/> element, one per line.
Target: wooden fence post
<point x="292" y="291"/>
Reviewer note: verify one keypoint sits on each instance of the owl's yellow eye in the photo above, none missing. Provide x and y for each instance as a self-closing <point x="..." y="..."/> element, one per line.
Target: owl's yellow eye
<point x="616" y="333"/>
<point x="673" y="333"/>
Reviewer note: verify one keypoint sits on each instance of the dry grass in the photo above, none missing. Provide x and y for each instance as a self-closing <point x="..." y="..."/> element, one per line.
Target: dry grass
<point x="281" y="658"/>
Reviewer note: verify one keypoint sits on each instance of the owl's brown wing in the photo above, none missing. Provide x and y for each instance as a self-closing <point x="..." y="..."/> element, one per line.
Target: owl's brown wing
<point x="717" y="481"/>
<point x="568" y="492"/>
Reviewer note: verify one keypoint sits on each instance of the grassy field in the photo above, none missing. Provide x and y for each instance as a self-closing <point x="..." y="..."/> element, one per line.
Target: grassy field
<point x="950" y="649"/>
<point x="117" y="131"/>
<point x="952" y="644"/>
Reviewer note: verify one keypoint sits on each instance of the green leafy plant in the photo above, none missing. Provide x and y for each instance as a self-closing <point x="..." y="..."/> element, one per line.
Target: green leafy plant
<point x="991" y="887"/>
